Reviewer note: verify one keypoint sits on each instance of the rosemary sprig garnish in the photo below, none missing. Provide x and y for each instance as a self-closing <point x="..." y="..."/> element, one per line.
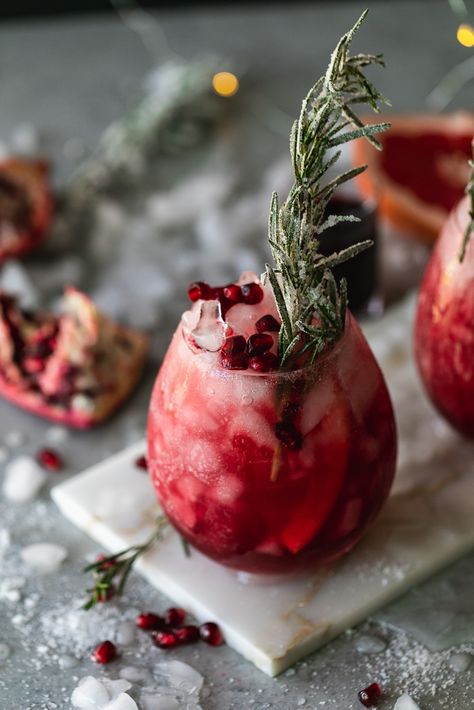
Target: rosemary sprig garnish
<point x="304" y="286"/>
<point x="470" y="226"/>
<point x="111" y="572"/>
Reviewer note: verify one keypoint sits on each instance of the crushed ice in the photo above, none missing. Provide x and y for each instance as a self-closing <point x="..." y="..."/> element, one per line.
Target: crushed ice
<point x="43" y="556"/>
<point x="23" y="479"/>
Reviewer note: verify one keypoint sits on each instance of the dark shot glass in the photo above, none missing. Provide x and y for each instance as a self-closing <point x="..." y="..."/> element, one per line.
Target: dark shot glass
<point x="361" y="271"/>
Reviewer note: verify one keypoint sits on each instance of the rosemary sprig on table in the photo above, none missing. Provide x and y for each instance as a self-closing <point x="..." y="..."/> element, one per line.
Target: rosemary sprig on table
<point x="111" y="572"/>
<point x="470" y="226"/>
<point x="302" y="280"/>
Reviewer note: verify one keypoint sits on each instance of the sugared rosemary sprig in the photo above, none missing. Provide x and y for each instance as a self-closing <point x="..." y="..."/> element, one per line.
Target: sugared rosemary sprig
<point x="302" y="280"/>
<point x="470" y="226"/>
<point x="111" y="572"/>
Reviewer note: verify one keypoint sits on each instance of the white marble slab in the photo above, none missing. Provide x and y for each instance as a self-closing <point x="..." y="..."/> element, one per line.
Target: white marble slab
<point x="427" y="523"/>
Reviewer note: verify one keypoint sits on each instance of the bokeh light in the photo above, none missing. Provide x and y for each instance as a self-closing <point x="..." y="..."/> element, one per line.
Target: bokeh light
<point x="225" y="83"/>
<point x="465" y="35"/>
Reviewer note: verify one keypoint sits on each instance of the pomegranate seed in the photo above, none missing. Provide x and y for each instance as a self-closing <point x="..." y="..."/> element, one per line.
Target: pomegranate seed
<point x="49" y="459"/>
<point x="188" y="634"/>
<point x="104" y="652"/>
<point x="32" y="365"/>
<point x="264" y="363"/>
<point x="165" y="639"/>
<point x="267" y="324"/>
<point x="259" y="343"/>
<point x="370" y="695"/>
<point x="288" y="435"/>
<point x="251" y="293"/>
<point x="174" y="616"/>
<point x="211" y="634"/>
<point x="233" y="293"/>
<point x="235" y="362"/>
<point x="234" y="345"/>
<point x="142" y="462"/>
<point x="200" y="289"/>
<point x="150" y="622"/>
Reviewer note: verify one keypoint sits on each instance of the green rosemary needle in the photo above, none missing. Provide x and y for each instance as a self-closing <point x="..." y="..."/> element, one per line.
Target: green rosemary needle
<point x="312" y="306"/>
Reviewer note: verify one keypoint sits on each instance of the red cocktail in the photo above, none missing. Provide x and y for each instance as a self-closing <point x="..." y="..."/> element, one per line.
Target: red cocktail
<point x="263" y="469"/>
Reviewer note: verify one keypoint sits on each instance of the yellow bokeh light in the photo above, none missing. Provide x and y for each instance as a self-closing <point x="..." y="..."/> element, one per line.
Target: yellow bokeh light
<point x="225" y="83"/>
<point x="465" y="35"/>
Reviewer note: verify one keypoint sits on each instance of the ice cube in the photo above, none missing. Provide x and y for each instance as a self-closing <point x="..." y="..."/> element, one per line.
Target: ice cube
<point x="122" y="702"/>
<point x="405" y="702"/>
<point x="210" y="330"/>
<point x="155" y="702"/>
<point x="90" y="694"/>
<point x="23" y="479"/>
<point x="181" y="676"/>
<point x="43" y="556"/>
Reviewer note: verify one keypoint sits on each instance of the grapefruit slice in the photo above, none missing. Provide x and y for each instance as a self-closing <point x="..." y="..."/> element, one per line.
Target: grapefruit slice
<point x="26" y="205"/>
<point x="422" y="171"/>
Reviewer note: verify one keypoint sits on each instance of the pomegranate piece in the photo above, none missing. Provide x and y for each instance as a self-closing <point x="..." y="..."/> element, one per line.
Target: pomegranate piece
<point x="200" y="289"/>
<point x="76" y="368"/>
<point x="252" y="293"/>
<point x="210" y="633"/>
<point x="232" y="293"/>
<point x="234" y="362"/>
<point x="264" y="363"/>
<point x="165" y="639"/>
<point x="267" y="324"/>
<point x="104" y="652"/>
<point x="50" y="459"/>
<point x="174" y="616"/>
<point x="150" y="622"/>
<point x="26" y="205"/>
<point x="187" y="634"/>
<point x="259" y="343"/>
<point x="234" y="345"/>
<point x="142" y="462"/>
<point x="369" y="696"/>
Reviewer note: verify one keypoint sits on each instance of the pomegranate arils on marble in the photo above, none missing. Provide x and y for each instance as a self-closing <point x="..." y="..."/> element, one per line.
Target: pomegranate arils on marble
<point x="174" y="616"/>
<point x="233" y="293"/>
<point x="370" y="695"/>
<point x="234" y="362"/>
<point x="289" y="436"/>
<point x="259" y="343"/>
<point x="165" y="639"/>
<point x="104" y="652"/>
<point x="49" y="459"/>
<point x="252" y="293"/>
<point x="211" y="634"/>
<point x="267" y="324"/>
<point x="235" y="345"/>
<point x="187" y="634"/>
<point x="142" y="462"/>
<point x="264" y="363"/>
<point x="150" y="622"/>
<point x="200" y="289"/>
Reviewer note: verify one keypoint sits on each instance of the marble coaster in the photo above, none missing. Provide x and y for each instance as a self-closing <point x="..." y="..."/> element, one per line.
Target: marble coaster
<point x="426" y="523"/>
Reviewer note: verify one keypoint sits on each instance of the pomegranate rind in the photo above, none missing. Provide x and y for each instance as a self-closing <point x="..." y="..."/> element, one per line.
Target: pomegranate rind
<point x="404" y="209"/>
<point x="109" y="355"/>
<point x="32" y="176"/>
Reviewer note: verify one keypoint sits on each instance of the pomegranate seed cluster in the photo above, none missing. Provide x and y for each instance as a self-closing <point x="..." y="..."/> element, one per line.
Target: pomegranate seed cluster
<point x="170" y="631"/>
<point x="237" y="352"/>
